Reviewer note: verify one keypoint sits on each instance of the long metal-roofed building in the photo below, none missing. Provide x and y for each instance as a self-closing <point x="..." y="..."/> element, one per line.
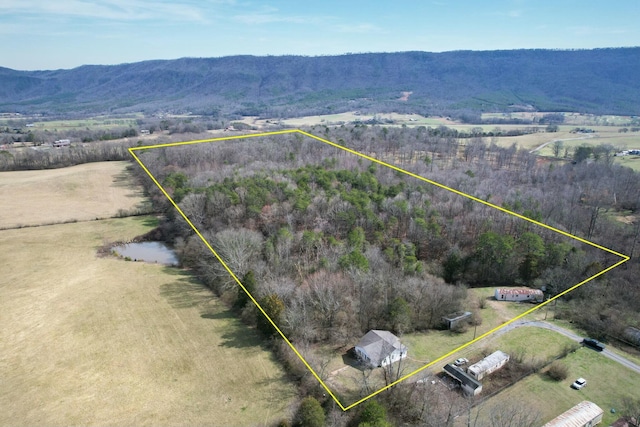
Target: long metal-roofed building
<point x="469" y="385"/>
<point x="584" y="414"/>
<point x="518" y="294"/>
<point x="489" y="364"/>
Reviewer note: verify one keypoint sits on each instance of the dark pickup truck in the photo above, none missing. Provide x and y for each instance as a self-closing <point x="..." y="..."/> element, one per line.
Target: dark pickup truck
<point x="594" y="344"/>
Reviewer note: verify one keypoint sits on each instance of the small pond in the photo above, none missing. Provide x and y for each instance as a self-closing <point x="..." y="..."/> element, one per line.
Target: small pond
<point x="148" y="251"/>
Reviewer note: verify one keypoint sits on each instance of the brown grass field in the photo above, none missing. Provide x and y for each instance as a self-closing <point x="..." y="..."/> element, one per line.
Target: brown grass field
<point x="101" y="341"/>
<point x="83" y="192"/>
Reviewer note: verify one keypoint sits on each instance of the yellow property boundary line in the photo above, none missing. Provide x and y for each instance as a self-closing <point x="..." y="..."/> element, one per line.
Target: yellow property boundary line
<point x="624" y="258"/>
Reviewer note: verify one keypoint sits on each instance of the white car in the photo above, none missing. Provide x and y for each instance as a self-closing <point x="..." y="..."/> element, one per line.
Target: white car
<point x="579" y="383"/>
<point x="461" y="361"/>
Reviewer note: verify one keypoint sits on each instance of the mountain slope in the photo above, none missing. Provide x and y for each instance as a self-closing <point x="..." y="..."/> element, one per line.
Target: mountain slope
<point x="596" y="81"/>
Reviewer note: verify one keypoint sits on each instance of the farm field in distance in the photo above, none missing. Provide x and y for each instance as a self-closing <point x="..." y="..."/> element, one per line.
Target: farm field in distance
<point x="606" y="129"/>
<point x="97" y="341"/>
<point x="76" y="193"/>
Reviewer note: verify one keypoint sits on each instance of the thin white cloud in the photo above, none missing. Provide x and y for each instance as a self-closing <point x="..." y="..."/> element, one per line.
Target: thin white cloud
<point x="270" y="18"/>
<point x="270" y="15"/>
<point x="121" y="10"/>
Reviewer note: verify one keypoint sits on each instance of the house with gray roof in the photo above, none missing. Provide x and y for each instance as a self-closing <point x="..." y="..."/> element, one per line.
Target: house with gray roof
<point x="380" y="348"/>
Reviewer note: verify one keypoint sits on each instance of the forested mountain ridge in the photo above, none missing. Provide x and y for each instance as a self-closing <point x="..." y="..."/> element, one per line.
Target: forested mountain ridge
<point x="460" y="82"/>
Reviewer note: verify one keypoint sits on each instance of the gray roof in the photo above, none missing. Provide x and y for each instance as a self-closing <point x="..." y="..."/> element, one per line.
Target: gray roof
<point x="462" y="376"/>
<point x="380" y="344"/>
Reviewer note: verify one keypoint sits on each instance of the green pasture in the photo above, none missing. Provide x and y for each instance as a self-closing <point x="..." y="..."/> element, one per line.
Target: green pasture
<point x="608" y="383"/>
<point x="95" y="123"/>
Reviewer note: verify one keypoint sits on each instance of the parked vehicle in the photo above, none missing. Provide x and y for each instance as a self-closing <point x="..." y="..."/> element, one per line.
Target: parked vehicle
<point x="461" y="361"/>
<point x="579" y="383"/>
<point x="594" y="344"/>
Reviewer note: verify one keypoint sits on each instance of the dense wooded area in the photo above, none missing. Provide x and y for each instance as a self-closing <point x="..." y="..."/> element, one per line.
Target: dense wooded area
<point x="333" y="245"/>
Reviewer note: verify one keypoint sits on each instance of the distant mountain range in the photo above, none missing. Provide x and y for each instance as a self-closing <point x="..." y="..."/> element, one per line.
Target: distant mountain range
<point x="461" y="82"/>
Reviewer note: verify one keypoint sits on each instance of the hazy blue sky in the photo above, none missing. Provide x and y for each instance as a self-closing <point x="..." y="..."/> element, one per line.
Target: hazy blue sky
<point x="50" y="34"/>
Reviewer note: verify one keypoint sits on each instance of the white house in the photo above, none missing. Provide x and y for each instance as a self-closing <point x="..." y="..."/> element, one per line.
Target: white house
<point x="62" y="143"/>
<point x="380" y="348"/>
<point x="584" y="414"/>
<point x="518" y="294"/>
<point x="489" y="364"/>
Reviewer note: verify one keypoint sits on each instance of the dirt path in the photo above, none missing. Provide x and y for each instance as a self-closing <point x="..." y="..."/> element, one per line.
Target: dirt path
<point x="500" y="308"/>
<point x="540" y="147"/>
<point x="405" y="96"/>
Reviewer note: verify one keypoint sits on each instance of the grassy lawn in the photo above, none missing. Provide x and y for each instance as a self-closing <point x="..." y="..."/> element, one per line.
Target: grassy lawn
<point x="632" y="162"/>
<point x="427" y="346"/>
<point x="608" y="383"/>
<point x="83" y="192"/>
<point x="535" y="344"/>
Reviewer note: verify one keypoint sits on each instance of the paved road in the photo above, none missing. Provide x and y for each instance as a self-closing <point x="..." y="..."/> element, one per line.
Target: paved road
<point x="567" y="333"/>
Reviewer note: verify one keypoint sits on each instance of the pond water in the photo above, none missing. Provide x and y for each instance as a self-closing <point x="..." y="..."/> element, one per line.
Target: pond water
<point x="148" y="251"/>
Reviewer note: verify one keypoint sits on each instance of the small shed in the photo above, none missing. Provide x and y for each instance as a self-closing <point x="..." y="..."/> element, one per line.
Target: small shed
<point x="380" y="348"/>
<point x="453" y="319"/>
<point x="584" y="414"/>
<point x="518" y="294"/>
<point x="470" y="386"/>
<point x="489" y="364"/>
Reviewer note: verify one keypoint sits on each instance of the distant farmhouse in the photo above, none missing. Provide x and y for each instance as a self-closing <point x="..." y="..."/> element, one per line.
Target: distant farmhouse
<point x="62" y="143"/>
<point x="489" y="364"/>
<point x="518" y="294"/>
<point x="584" y="414"/>
<point x="380" y="348"/>
<point x="623" y="153"/>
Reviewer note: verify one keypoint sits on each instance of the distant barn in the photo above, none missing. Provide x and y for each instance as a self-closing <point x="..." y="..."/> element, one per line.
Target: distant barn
<point x="518" y="294"/>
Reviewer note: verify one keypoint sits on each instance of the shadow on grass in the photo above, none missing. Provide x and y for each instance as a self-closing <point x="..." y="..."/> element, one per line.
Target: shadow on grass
<point x="150" y="221"/>
<point x="235" y="334"/>
<point x="186" y="292"/>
